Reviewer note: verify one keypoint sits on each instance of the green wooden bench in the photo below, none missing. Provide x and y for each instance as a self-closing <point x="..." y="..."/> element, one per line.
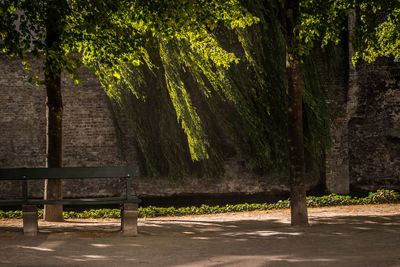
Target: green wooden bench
<point x="128" y="202"/>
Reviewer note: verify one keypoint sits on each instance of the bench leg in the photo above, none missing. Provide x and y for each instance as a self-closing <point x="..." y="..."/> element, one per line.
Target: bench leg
<point x="30" y="220"/>
<point x="129" y="218"/>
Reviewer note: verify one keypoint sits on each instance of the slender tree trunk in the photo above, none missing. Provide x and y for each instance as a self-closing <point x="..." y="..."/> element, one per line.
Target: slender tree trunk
<point x="54" y="108"/>
<point x="294" y="74"/>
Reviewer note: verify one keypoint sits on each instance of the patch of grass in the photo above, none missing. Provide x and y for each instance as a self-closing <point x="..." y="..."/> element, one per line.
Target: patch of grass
<point x="379" y="197"/>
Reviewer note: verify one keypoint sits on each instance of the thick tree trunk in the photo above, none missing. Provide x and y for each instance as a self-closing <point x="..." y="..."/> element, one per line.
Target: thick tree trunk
<point x="54" y="112"/>
<point x="54" y="107"/>
<point x="296" y="144"/>
<point x="299" y="216"/>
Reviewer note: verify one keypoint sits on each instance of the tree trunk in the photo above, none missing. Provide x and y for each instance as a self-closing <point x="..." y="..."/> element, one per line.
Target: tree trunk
<point x="54" y="112"/>
<point x="54" y="107"/>
<point x="296" y="144"/>
<point x="294" y="74"/>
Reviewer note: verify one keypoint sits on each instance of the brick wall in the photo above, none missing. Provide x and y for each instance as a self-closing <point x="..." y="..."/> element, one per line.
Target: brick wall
<point x="365" y="125"/>
<point x="22" y="119"/>
<point x="365" y="132"/>
<point x="374" y="127"/>
<point x="337" y="158"/>
<point x="89" y="137"/>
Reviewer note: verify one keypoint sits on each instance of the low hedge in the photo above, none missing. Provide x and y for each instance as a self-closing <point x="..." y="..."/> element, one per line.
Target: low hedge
<point x="379" y="197"/>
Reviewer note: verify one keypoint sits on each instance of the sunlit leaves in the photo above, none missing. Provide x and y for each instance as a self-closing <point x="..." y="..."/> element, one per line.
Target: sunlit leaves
<point x="181" y="100"/>
<point x="110" y="36"/>
<point x="319" y="21"/>
<point x="379" y="37"/>
<point x="375" y="34"/>
<point x="109" y="32"/>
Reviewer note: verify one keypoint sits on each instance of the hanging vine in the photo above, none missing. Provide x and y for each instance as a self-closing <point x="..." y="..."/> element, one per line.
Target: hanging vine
<point x="191" y="108"/>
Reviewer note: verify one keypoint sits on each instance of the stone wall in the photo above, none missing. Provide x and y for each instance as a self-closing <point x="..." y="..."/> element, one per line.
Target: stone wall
<point x="337" y="161"/>
<point x="374" y="127"/>
<point x="365" y="131"/>
<point x="89" y="137"/>
<point x="22" y="121"/>
<point x="365" y="125"/>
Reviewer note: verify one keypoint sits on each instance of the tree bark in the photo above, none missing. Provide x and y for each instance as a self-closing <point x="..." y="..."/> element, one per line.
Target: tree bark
<point x="54" y="112"/>
<point x="54" y="106"/>
<point x="299" y="216"/>
<point x="298" y="205"/>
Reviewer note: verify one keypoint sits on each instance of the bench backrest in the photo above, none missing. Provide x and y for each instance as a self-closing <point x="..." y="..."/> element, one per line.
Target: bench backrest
<point x="68" y="173"/>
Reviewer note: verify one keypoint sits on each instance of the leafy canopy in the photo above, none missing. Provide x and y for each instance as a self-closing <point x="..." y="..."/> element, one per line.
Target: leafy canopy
<point x="108" y="32"/>
<point x="111" y="36"/>
<point x="376" y="33"/>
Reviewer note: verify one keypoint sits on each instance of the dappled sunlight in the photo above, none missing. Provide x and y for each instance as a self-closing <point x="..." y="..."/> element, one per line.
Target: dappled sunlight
<point x="94" y="256"/>
<point x="100" y="245"/>
<point x="133" y="244"/>
<point x="231" y="240"/>
<point x="362" y="228"/>
<point x="265" y="233"/>
<point x="185" y="221"/>
<point x="47" y="246"/>
<point x="201" y="238"/>
<point x="234" y="260"/>
<point x="82" y="258"/>
<point x="38" y="248"/>
<point x="189" y="233"/>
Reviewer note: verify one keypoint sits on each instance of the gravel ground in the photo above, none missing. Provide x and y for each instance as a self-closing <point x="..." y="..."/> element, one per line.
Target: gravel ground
<point x="349" y="236"/>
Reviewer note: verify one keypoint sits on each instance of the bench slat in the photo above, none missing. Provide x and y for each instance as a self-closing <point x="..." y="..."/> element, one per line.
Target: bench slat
<point x="84" y="201"/>
<point x="13" y="202"/>
<point x="68" y="172"/>
<point x="75" y="201"/>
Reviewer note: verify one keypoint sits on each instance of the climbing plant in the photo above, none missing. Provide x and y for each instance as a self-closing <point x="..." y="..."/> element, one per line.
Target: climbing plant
<point x="106" y="36"/>
<point x="221" y="107"/>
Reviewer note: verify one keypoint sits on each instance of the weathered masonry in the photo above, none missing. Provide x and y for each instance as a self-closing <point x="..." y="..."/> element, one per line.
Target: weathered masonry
<point x="366" y="134"/>
<point x="366" y="125"/>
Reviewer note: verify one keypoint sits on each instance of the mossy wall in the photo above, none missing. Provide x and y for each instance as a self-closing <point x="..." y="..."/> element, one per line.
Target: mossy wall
<point x="244" y="126"/>
<point x="240" y="110"/>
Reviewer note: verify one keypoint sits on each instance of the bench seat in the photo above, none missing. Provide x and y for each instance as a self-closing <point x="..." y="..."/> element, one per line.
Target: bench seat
<point x="70" y="201"/>
<point x="129" y="203"/>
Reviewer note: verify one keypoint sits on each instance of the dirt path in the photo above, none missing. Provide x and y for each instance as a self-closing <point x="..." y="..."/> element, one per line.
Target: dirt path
<point x="346" y="236"/>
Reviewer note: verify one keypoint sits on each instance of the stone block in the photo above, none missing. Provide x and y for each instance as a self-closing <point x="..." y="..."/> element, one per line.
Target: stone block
<point x="30" y="220"/>
<point x="129" y="219"/>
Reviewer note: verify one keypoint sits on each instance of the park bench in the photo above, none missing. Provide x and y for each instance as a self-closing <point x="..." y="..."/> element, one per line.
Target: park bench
<point x="128" y="202"/>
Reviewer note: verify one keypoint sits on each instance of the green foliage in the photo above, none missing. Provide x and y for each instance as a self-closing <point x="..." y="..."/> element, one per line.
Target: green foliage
<point x="262" y="105"/>
<point x="12" y="214"/>
<point x="112" y="37"/>
<point x="375" y="34"/>
<point x="331" y="200"/>
<point x="242" y="106"/>
<point x="319" y="22"/>
<point x="108" y="33"/>
<point x="316" y="112"/>
<point x="99" y="213"/>
<point x="381" y="196"/>
<point x="214" y="47"/>
<point x="377" y="30"/>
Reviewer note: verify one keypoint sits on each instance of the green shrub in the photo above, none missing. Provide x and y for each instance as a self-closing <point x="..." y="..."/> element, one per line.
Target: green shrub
<point x="330" y="200"/>
<point x="12" y="214"/>
<point x="379" y="197"/>
<point x="382" y="197"/>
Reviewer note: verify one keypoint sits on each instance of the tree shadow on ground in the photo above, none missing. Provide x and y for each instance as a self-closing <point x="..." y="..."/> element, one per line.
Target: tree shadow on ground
<point x="343" y="240"/>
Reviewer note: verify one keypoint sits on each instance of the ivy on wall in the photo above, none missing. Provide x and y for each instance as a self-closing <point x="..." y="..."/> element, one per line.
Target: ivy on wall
<point x="190" y="111"/>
